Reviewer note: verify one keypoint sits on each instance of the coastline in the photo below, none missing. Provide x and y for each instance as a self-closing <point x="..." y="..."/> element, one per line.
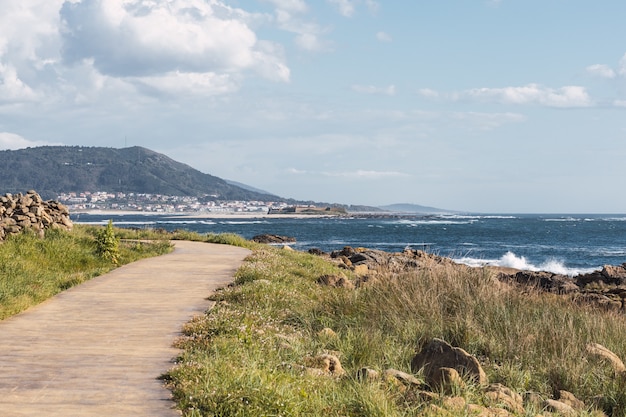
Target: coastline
<point x="202" y="215"/>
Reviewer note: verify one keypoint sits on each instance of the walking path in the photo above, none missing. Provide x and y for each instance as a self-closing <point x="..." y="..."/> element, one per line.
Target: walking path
<point x="99" y="348"/>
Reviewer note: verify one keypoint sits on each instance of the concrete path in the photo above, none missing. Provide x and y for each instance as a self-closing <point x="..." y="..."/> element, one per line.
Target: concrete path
<point x="99" y="348"/>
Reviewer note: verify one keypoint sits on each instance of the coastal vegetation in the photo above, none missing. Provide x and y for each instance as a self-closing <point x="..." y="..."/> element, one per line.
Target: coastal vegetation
<point x="278" y="342"/>
<point x="281" y="340"/>
<point x="33" y="269"/>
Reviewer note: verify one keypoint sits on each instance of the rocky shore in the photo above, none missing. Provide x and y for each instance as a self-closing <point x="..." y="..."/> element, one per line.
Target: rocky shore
<point x="605" y="288"/>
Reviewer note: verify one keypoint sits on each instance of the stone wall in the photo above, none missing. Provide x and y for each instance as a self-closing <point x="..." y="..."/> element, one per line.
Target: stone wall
<point x="29" y="211"/>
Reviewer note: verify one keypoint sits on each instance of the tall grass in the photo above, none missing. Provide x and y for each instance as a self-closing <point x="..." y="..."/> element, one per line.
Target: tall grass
<point x="247" y="355"/>
<point x="34" y="269"/>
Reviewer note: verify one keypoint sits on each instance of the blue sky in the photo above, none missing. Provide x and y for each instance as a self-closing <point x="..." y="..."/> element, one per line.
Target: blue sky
<point x="477" y="105"/>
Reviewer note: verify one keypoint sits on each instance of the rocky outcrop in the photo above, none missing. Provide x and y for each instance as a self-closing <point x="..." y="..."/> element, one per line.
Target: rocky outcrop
<point x="272" y="239"/>
<point x="29" y="212"/>
<point x="605" y="288"/>
<point x="394" y="262"/>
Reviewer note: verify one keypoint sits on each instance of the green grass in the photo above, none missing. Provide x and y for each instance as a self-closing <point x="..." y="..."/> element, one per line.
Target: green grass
<point x="245" y="357"/>
<point x="33" y="269"/>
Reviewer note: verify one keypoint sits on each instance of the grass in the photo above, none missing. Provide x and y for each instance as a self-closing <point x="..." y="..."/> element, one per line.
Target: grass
<point x="33" y="269"/>
<point x="247" y="356"/>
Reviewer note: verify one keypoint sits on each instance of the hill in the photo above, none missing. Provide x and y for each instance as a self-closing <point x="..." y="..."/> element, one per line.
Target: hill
<point x="413" y="208"/>
<point x="51" y="170"/>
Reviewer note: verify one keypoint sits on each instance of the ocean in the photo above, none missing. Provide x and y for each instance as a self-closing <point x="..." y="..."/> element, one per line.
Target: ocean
<point x="564" y="244"/>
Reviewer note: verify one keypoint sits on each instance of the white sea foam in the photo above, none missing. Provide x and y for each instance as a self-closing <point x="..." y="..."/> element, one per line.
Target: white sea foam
<point x="245" y="222"/>
<point x="511" y="260"/>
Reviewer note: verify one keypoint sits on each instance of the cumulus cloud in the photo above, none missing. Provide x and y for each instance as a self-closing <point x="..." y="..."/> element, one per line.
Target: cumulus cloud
<point x="14" y="141"/>
<point x="383" y="36"/>
<point x="370" y="89"/>
<point x="132" y="38"/>
<point x="12" y="88"/>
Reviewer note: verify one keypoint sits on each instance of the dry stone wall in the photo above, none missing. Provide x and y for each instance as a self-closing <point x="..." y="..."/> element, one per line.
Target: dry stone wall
<point x="29" y="211"/>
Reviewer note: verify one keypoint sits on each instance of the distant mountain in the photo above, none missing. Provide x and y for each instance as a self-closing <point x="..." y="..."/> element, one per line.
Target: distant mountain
<point x="248" y="187"/>
<point x="413" y="208"/>
<point x="51" y="170"/>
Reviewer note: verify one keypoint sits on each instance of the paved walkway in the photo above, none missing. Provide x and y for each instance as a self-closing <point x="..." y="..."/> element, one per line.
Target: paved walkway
<point x="99" y="348"/>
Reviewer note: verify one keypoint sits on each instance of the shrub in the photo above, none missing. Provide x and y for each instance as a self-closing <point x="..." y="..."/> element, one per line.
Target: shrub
<point x="107" y="244"/>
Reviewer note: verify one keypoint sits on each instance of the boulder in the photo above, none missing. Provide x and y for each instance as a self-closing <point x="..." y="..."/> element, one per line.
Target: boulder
<point x="601" y="352"/>
<point x="439" y="354"/>
<point x="272" y="239"/>
<point x="402" y="377"/>
<point x="498" y="394"/>
<point x="336" y="281"/>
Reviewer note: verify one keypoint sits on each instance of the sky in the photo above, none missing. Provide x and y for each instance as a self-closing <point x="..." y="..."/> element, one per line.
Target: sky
<point x="492" y="106"/>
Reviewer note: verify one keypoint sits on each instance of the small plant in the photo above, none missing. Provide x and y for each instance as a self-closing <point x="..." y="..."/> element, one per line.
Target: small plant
<point x="107" y="244"/>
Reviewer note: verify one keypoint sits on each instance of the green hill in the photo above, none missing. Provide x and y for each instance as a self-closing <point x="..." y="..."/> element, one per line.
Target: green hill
<point x="51" y="170"/>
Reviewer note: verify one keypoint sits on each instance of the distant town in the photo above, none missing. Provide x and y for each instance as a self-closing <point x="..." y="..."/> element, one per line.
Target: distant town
<point x="157" y="203"/>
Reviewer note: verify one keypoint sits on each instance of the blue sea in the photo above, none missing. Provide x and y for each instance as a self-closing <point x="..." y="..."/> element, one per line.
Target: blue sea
<point x="565" y="244"/>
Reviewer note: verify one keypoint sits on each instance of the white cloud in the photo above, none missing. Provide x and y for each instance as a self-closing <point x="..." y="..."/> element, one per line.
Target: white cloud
<point x="291" y="6"/>
<point x="370" y="89"/>
<point x="135" y="38"/>
<point x="12" y="88"/>
<point x="622" y="66"/>
<point x="428" y="93"/>
<point x="564" y="97"/>
<point x="600" y="70"/>
<point x="568" y="96"/>
<point x="308" y="33"/>
<point x="345" y="7"/>
<point x="619" y="103"/>
<point x="383" y="36"/>
<point x="56" y="50"/>
<point x="13" y="141"/>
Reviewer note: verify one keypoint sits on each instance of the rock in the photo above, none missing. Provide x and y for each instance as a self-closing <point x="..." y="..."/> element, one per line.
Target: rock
<point x="328" y="364"/>
<point x="367" y="375"/>
<point x="568" y="398"/>
<point x="456" y="404"/>
<point x="361" y="270"/>
<point x="601" y="352"/>
<point x="269" y="238"/>
<point x="498" y="394"/>
<point x="555" y="406"/>
<point x="446" y="380"/>
<point x="327" y="333"/>
<point x="439" y="354"/>
<point x="317" y="252"/>
<point x="336" y="281"/>
<point x="403" y="377"/>
<point x="29" y="211"/>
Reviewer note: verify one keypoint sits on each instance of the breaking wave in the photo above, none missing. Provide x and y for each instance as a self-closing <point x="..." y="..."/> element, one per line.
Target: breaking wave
<point x="511" y="260"/>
